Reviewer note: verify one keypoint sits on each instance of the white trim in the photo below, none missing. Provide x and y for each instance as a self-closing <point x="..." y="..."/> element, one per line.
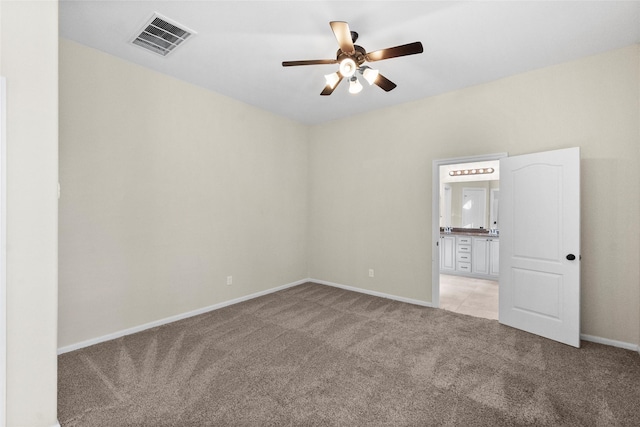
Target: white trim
<point x="3" y="254"/>
<point x="591" y="338"/>
<point x="435" y="215"/>
<point x="57" y="424"/>
<point x="613" y="343"/>
<point x="129" y="331"/>
<point x="175" y="318"/>
<point x="374" y="293"/>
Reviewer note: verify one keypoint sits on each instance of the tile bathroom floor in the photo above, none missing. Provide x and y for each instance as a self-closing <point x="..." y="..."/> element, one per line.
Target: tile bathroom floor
<point x="467" y="295"/>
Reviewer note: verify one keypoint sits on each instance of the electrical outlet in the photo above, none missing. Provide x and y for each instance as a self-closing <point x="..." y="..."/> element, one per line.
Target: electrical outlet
<point x="371" y="272"/>
<point x="229" y="280"/>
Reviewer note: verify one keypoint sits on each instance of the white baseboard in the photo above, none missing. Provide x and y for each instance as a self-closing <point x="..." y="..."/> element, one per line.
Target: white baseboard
<point x="607" y="341"/>
<point x="374" y="293"/>
<point x="129" y="331"/>
<point x="175" y="318"/>
<point x="585" y="337"/>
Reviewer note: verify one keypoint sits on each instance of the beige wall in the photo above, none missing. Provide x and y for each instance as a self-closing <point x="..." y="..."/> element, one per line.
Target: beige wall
<point x="167" y="189"/>
<point x="29" y="61"/>
<point x="370" y="179"/>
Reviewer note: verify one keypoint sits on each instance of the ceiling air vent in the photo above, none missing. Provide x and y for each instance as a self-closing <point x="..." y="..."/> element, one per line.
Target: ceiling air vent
<point x="161" y="35"/>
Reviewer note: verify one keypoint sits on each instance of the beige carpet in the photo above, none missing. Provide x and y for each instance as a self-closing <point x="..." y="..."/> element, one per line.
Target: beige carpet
<point x="314" y="355"/>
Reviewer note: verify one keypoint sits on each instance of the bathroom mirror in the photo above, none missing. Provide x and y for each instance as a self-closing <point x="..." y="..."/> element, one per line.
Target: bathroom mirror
<point x="471" y="204"/>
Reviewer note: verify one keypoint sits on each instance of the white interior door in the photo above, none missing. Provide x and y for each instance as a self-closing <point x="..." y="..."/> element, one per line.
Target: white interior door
<point x="474" y="207"/>
<point x="540" y="244"/>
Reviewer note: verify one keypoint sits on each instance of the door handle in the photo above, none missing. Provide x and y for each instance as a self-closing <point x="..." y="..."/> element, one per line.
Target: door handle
<point x="571" y="257"/>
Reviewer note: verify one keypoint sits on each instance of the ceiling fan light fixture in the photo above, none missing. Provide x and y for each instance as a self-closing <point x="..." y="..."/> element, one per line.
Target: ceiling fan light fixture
<point x="348" y="67"/>
<point x="354" y="85"/>
<point x="370" y="75"/>
<point x="332" y="79"/>
<point x="350" y="58"/>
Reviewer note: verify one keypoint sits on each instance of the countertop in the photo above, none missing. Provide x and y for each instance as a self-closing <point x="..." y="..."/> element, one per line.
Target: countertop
<point x="477" y="232"/>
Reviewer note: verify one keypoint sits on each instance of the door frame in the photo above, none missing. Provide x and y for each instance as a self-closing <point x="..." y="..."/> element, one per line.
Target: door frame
<point x="435" y="215"/>
<point x="3" y="254"/>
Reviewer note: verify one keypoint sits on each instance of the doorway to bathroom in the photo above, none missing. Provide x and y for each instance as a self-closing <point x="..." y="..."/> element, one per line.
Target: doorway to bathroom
<point x="466" y="225"/>
<point x="537" y="242"/>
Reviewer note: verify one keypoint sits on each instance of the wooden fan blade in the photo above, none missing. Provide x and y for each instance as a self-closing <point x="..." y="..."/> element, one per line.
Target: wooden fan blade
<point x="343" y="35"/>
<point x="385" y="83"/>
<point x="329" y="90"/>
<point x="394" y="52"/>
<point x="309" y="62"/>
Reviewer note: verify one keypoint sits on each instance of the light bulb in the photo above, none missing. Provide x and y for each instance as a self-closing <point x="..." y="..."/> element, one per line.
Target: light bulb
<point x="355" y="86"/>
<point x="370" y="75"/>
<point x="332" y="80"/>
<point x="347" y="67"/>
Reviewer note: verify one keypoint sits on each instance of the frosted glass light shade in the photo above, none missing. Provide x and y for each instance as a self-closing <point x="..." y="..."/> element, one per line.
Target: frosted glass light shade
<point x="355" y="86"/>
<point x="332" y="79"/>
<point x="347" y="67"/>
<point x="370" y="75"/>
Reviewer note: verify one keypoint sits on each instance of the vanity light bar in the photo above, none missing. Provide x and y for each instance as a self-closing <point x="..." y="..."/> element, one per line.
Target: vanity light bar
<point x="478" y="171"/>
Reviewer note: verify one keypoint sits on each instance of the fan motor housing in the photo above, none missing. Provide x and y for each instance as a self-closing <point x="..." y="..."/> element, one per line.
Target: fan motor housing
<point x="358" y="56"/>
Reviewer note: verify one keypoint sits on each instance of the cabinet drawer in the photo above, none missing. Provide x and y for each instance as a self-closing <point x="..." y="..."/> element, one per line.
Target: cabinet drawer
<point x="464" y="266"/>
<point x="464" y="240"/>
<point x="464" y="257"/>
<point x="464" y="248"/>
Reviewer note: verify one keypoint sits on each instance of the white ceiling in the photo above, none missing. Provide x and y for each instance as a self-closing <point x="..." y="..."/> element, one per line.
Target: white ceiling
<point x="240" y="45"/>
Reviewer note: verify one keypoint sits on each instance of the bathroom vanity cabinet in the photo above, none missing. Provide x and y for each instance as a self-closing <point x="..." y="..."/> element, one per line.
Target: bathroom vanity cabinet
<point x="470" y="254"/>
<point x="448" y="254"/>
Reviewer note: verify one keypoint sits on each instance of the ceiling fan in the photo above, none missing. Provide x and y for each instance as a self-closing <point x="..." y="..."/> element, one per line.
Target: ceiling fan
<point x="351" y="58"/>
